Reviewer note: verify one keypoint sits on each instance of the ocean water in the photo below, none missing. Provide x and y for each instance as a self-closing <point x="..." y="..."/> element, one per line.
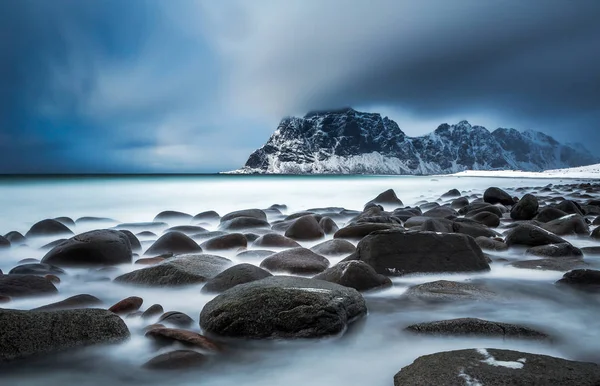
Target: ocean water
<point x="369" y="353"/>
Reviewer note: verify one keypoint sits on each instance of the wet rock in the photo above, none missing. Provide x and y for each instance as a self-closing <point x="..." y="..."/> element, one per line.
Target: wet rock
<point x="173" y="242"/>
<point x="473" y="326"/>
<point x="584" y="279"/>
<point x="255" y="254"/>
<point x="489" y="244"/>
<point x="252" y="213"/>
<point x="176" y="360"/>
<point x="296" y="261"/>
<point x="428" y="206"/>
<point x="17" y="286"/>
<point x="283" y="307"/>
<point x="15" y="238"/>
<point x="570" y="207"/>
<point x="550" y="264"/>
<point x="275" y="240"/>
<point x="95" y="248"/>
<point x="146" y="234"/>
<point x="209" y="216"/>
<point x="548" y="214"/>
<point x="355" y="274"/>
<point x="596" y="234"/>
<point x="592" y="251"/>
<point x="441" y="212"/>
<point x="154" y="310"/>
<point x="531" y="236"/>
<point x="555" y="250"/>
<point x="48" y="227"/>
<point x="487" y="218"/>
<point x="176" y="318"/>
<point x="358" y="231"/>
<point x="4" y="243"/>
<point x="525" y="209"/>
<point x="225" y="242"/>
<point x="568" y="225"/>
<point x="451" y="193"/>
<point x="328" y="225"/>
<point x="497" y="196"/>
<point x="418" y="221"/>
<point x="476" y="208"/>
<point x="177" y="271"/>
<point x="77" y="301"/>
<point x="241" y="223"/>
<point x="494" y="367"/>
<point x="397" y="253"/>
<point x="232" y="276"/>
<point x="406" y="213"/>
<point x="68" y="221"/>
<point x="387" y="198"/>
<point x="127" y="305"/>
<point x="438" y="225"/>
<point x="168" y="336"/>
<point x="305" y="228"/>
<point x="444" y="290"/>
<point x="39" y="269"/>
<point x="472" y="228"/>
<point x="335" y="247"/>
<point x="151" y="260"/>
<point x="187" y="229"/>
<point x="173" y="216"/>
<point x="52" y="278"/>
<point x="133" y="240"/>
<point x="459" y="203"/>
<point x="596" y="221"/>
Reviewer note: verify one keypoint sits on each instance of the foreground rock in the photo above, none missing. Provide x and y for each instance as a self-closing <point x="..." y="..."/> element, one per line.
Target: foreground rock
<point x="232" y="276"/>
<point x="497" y="196"/>
<point x="173" y="242"/>
<point x="444" y="290"/>
<point x="584" y="279"/>
<point x="89" y="249"/>
<point x="178" y="271"/>
<point x="305" y="228"/>
<point x="176" y="360"/>
<point x="283" y="307"/>
<point x="32" y="333"/>
<point x="473" y="326"/>
<point x="296" y="261"/>
<point x="398" y="253"/>
<point x="77" y="301"/>
<point x="493" y="367"/>
<point x="16" y="286"/>
<point x="526" y="208"/>
<point x="531" y="236"/>
<point x="355" y="274"/>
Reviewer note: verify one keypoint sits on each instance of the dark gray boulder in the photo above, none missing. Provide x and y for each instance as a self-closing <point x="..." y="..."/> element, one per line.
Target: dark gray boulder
<point x="187" y="229"/>
<point x="173" y="242"/>
<point x="584" y="279"/>
<point x="358" y="231"/>
<point x="153" y="311"/>
<point x="177" y="271"/>
<point x="555" y="250"/>
<point x="174" y="216"/>
<point x="445" y="290"/>
<point x="497" y="196"/>
<point x="252" y="213"/>
<point x="177" y="360"/>
<point x="175" y="318"/>
<point x="551" y="264"/>
<point x="305" y="228"/>
<point x="531" y="236"/>
<point x="225" y="242"/>
<point x="438" y="225"/>
<point x="355" y="274"/>
<point x="569" y="225"/>
<point x="39" y="269"/>
<point x="398" y="253"/>
<point x="570" y="207"/>
<point x="489" y="244"/>
<point x="133" y="240"/>
<point x="459" y="203"/>
<point x="241" y="223"/>
<point x="16" y="286"/>
<point x="596" y="221"/>
<point x="48" y="227"/>
<point x="283" y="307"/>
<point x="232" y="276"/>
<point x="548" y="214"/>
<point x="296" y="261"/>
<point x="472" y="228"/>
<point x="15" y="238"/>
<point x="526" y="208"/>
<point x="486" y="218"/>
<point x="494" y="367"/>
<point x="335" y="247"/>
<point x="275" y="240"/>
<point x="328" y="225"/>
<point x="441" y="212"/>
<point x="94" y="248"/>
<point x="255" y="254"/>
<point x="387" y="198"/>
<point x="77" y="301"/>
<point x="592" y="251"/>
<point x="209" y="215"/>
<point x="473" y="326"/>
<point x="34" y="333"/>
<point x="595" y="234"/>
<point x="451" y="193"/>
<point x="478" y="207"/>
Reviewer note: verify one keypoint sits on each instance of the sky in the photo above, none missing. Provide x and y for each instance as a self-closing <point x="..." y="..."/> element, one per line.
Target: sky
<point x="106" y="86"/>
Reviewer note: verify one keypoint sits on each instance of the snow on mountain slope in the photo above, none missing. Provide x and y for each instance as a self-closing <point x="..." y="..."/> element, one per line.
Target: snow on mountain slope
<point x="350" y="142"/>
<point x="589" y="171"/>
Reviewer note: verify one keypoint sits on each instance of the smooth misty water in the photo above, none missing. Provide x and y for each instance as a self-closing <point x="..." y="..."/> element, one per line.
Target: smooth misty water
<point x="370" y="353"/>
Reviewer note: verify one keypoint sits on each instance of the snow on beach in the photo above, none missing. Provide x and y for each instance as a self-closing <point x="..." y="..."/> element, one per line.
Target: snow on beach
<point x="590" y="171"/>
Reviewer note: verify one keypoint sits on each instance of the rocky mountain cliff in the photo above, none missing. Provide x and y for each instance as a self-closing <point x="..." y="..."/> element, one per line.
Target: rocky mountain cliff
<point x="350" y="142"/>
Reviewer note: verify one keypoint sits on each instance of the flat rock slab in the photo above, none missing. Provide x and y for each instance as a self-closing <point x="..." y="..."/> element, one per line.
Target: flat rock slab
<point x="478" y="327"/>
<point x="445" y="290"/>
<point x="492" y="367"/>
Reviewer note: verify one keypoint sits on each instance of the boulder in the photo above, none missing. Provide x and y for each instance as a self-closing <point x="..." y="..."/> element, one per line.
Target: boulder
<point x="548" y="214"/>
<point x="555" y="250"/>
<point x="77" y="301"/>
<point x="494" y="367"/>
<point x="174" y="216"/>
<point x="473" y="326"/>
<point x="526" y="208"/>
<point x="425" y="206"/>
<point x="225" y="242"/>
<point x="126" y="306"/>
<point x="39" y="269"/>
<point x="209" y="215"/>
<point x="397" y="253"/>
<point x="476" y="208"/>
<point x="550" y="264"/>
<point x="154" y="310"/>
<point x="489" y="244"/>
<point x="387" y="198"/>
<point x="328" y="225"/>
<point x="459" y="203"/>
<point x="255" y="254"/>
<point x="497" y="196"/>
<point x="133" y="240"/>
<point x="585" y="279"/>
<point x="305" y="228"/>
<point x="187" y="229"/>
<point x="15" y="238"/>
<point x="33" y="333"/>
<point x="441" y="212"/>
<point x="595" y="234"/>
<point x="252" y="213"/>
<point x="444" y="290"/>
<point x="176" y="360"/>
<point x="451" y="193"/>
<point x="68" y="221"/>
<point x="167" y="336"/>
<point x="48" y="227"/>
<point x="16" y="286"/>
<point x="296" y="261"/>
<point x="177" y="271"/>
<point x="335" y="247"/>
<point x="173" y="242"/>
<point x="142" y="226"/>
<point x="275" y="240"/>
<point x="442" y="225"/>
<point x="4" y="242"/>
<point x="232" y="276"/>
<point x="569" y="207"/>
<point x="531" y="236"/>
<point x="358" y="231"/>
<point x="486" y="218"/>
<point x="592" y="251"/>
<point x="241" y="223"/>
<point x="596" y="221"/>
<point x="355" y="274"/>
<point x="283" y="307"/>
<point x="472" y="228"/>
<point x="176" y="318"/>
<point x="569" y="225"/>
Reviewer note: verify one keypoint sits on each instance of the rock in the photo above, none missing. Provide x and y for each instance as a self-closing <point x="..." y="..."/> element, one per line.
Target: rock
<point x="143" y="226"/>
<point x="438" y="225"/>
<point x="53" y="244"/>
<point x="387" y="198"/>
<point x="487" y="218"/>
<point x="15" y="238"/>
<point x="441" y="212"/>
<point x="472" y="228"/>
<point x="77" y="301"/>
<point x="176" y="318"/>
<point x="568" y="225"/>
<point x="494" y="367"/>
<point x="17" y="286"/>
<point x="274" y="240"/>
<point x="418" y="221"/>
<point x="48" y="227"/>
<point x="252" y="213"/>
<point x="176" y="360"/>
<point x="525" y="209"/>
<point x="497" y="196"/>
<point x="151" y="260"/>
<point x="4" y="299"/>
<point x="209" y="216"/>
<point x="168" y="336"/>
<point x="548" y="214"/>
<point x="328" y="225"/>
<point x="178" y="271"/>
<point x="451" y="193"/>
<point x="397" y="253"/>
<point x="570" y="207"/>
<point x="550" y="264"/>
<point x="596" y="221"/>
<point x="255" y="254"/>
<point x="459" y="203"/>
<point x="555" y="250"/>
<point x="444" y="290"/>
<point x="68" y="221"/>
<point x="476" y="208"/>
<point x="4" y="243"/>
<point x="489" y="244"/>
<point x="232" y="276"/>
<point x="296" y="261"/>
<point x="133" y="240"/>
<point x="428" y="206"/>
<point x="595" y="234"/>
<point x="39" y="269"/>
<point x="355" y="274"/>
<point x="282" y="307"/>
<point x="592" y="251"/>
<point x="406" y="213"/>
<point x="230" y="241"/>
<point x="171" y="215"/>
<point x="125" y="306"/>
<point x="473" y="326"/>
<point x="94" y="220"/>
<point x="153" y="311"/>
<point x="531" y="236"/>
<point x="305" y="228"/>
<point x="335" y="247"/>
<point x="358" y="231"/>
<point x="146" y="234"/>
<point x="52" y="278"/>
<point x="241" y="223"/>
<point x="584" y="279"/>
<point x="173" y="242"/>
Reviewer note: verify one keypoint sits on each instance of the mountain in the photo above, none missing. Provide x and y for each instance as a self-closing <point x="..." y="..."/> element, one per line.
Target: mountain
<point x="350" y="142"/>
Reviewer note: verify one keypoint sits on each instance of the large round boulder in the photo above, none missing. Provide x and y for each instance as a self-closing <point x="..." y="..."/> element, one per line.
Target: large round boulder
<point x="328" y="225"/>
<point x="397" y="253"/>
<point x="548" y="214"/>
<point x="358" y="231"/>
<point x="283" y="307"/>
<point x="94" y="248"/>
<point x="494" y="367"/>
<point x="39" y="269"/>
<point x="225" y="242"/>
<point x="48" y="227"/>
<point x="526" y="208"/>
<point x="387" y="198"/>
<point x="232" y="276"/>
<point x="335" y="247"/>
<point x="33" y="333"/>
<point x="253" y="213"/>
<point x="495" y="195"/>
<point x="305" y="228"/>
<point x="173" y="242"/>
<point x="529" y="235"/>
<point x="572" y="224"/>
<point x="296" y="261"/>
<point x="489" y="244"/>
<point x="209" y="215"/>
<point x="77" y="301"/>
<point x="556" y="250"/>
<point x="474" y="326"/>
<point x="242" y="222"/>
<point x="445" y="290"/>
<point x="133" y="240"/>
<point x="486" y="218"/>
<point x="355" y="274"/>
<point x="595" y="234"/>
<point x="16" y="286"/>
<point x="172" y="216"/>
<point x="275" y="240"/>
<point x="15" y="238"/>
<point x="585" y="279"/>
